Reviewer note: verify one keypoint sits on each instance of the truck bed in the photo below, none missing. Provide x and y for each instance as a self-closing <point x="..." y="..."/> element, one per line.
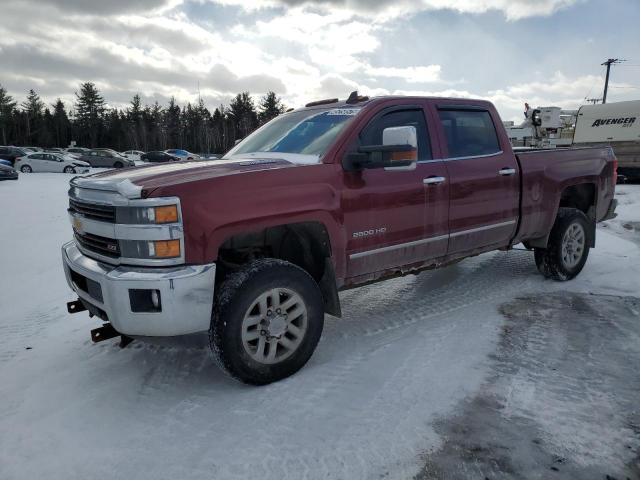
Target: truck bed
<point x="547" y="173"/>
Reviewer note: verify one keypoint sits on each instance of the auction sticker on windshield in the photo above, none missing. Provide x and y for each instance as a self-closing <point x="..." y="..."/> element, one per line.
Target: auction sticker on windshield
<point x="344" y="111"/>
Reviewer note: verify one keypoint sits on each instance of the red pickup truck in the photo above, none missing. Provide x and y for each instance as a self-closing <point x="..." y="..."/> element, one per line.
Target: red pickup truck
<point x="254" y="248"/>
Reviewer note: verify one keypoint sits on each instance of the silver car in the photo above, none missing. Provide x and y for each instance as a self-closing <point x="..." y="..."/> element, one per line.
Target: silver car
<point x="50" y="162"/>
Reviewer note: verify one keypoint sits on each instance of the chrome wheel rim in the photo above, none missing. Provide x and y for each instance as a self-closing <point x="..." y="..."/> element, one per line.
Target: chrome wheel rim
<point x="573" y="244"/>
<point x="274" y="325"/>
<point x="26" y="169"/>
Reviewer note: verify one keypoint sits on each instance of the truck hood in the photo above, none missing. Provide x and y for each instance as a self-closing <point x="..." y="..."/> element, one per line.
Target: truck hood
<point x="131" y="181"/>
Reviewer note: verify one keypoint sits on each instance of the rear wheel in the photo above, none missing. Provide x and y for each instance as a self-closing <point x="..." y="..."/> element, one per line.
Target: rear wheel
<point x="118" y="165"/>
<point x="568" y="246"/>
<point x="26" y="169"/>
<point x="266" y="322"/>
<point x="69" y="170"/>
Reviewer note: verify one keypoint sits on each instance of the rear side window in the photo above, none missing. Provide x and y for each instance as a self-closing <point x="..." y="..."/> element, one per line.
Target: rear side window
<point x="469" y="133"/>
<point x="372" y="133"/>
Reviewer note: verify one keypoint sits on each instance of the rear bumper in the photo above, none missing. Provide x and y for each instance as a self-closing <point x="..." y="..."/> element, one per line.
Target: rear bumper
<point x="186" y="294"/>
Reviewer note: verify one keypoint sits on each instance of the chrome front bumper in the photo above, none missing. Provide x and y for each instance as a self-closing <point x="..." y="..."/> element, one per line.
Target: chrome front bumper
<point x="186" y="294"/>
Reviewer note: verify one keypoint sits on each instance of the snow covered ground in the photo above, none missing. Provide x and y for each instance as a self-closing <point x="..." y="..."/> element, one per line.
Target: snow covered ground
<point x="482" y="369"/>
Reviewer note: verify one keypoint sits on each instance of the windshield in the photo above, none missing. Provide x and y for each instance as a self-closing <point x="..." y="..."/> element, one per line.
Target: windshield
<point x="307" y="132"/>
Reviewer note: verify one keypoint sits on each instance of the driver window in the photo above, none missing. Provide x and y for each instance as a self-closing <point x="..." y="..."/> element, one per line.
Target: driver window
<point x="372" y="133"/>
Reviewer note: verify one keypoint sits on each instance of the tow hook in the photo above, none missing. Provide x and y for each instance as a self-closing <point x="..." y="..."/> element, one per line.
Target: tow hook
<point x="106" y="331"/>
<point x="75" y="307"/>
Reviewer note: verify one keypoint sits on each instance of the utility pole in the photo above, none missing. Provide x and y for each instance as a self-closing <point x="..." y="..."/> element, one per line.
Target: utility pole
<point x="608" y="63"/>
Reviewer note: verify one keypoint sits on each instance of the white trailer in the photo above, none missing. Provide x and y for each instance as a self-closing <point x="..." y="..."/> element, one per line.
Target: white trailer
<point x="615" y="124"/>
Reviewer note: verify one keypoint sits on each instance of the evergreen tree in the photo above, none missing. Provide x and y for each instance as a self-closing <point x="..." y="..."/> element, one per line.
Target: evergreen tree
<point x="144" y="127"/>
<point x="270" y="107"/>
<point x="61" y="125"/>
<point x="243" y="114"/>
<point x="89" y="110"/>
<point x="172" y="123"/>
<point x="33" y="107"/>
<point x="135" y="120"/>
<point x="45" y="134"/>
<point x="7" y="105"/>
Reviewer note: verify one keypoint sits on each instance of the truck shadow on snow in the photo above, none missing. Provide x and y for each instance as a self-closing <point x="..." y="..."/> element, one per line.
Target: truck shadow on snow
<point x="562" y="398"/>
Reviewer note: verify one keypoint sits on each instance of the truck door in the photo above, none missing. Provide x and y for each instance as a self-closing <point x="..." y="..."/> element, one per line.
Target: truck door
<point x="484" y="179"/>
<point x="395" y="217"/>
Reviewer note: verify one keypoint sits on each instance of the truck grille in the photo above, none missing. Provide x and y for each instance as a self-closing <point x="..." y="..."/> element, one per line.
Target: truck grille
<point x="107" y="247"/>
<point x="103" y="213"/>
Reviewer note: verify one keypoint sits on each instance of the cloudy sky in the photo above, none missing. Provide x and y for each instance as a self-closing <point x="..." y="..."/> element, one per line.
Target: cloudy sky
<point x="546" y="52"/>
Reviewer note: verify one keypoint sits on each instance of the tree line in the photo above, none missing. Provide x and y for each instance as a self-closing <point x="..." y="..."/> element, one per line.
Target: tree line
<point x="91" y="123"/>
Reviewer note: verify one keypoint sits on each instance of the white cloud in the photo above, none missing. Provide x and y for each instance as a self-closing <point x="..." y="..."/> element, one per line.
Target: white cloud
<point x="383" y="10"/>
<point x="428" y="74"/>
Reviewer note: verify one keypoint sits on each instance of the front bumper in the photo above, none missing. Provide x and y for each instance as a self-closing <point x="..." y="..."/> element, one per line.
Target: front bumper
<point x="186" y="294"/>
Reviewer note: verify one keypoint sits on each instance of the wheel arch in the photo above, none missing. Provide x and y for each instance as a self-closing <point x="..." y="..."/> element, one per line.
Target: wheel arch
<point x="306" y="244"/>
<point x="581" y="196"/>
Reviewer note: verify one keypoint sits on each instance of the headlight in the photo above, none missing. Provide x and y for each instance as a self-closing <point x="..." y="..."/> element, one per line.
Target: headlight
<point x="150" y="249"/>
<point x="148" y="215"/>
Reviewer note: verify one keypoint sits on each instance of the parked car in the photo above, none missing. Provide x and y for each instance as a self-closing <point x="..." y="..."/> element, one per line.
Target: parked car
<point x="158" y="157"/>
<point x="11" y="153"/>
<point x="5" y="162"/>
<point x="32" y="149"/>
<point x="50" y="162"/>
<point x="54" y="150"/>
<point x="77" y="150"/>
<point x="253" y="249"/>
<point x="7" y="172"/>
<point x="133" y="154"/>
<point x="106" y="158"/>
<point x="209" y="156"/>
<point x="183" y="154"/>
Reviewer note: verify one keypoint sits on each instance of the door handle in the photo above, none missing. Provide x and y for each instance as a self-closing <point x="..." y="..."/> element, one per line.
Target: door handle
<point x="507" y="171"/>
<point x="433" y="180"/>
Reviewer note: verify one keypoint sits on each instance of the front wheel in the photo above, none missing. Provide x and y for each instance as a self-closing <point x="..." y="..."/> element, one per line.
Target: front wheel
<point x="568" y="246"/>
<point x="69" y="170"/>
<point x="26" y="169"/>
<point x="118" y="165"/>
<point x="266" y="322"/>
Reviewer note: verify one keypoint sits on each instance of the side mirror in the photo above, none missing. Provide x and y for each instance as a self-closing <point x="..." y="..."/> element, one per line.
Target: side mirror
<point x="399" y="151"/>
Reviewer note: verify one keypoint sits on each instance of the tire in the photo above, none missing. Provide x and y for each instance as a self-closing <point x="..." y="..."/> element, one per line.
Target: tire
<point x="26" y="169"/>
<point x="118" y="165"/>
<point x="568" y="246"/>
<point x="247" y="353"/>
<point x="69" y="170"/>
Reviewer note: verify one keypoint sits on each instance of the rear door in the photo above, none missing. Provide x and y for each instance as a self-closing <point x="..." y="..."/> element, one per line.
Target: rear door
<point x="395" y="217"/>
<point x="36" y="162"/>
<point x="484" y="178"/>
